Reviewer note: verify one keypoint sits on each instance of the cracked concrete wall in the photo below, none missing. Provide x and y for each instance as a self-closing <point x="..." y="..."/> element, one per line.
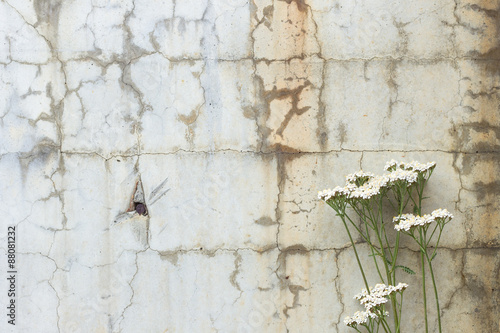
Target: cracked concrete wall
<point x="232" y="114"/>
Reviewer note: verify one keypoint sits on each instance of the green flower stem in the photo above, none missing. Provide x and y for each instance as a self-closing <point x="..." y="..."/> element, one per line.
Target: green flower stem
<point x="408" y="190"/>
<point x="385" y="325"/>
<point x="374" y="226"/>
<point x="367" y="239"/>
<point x="356" y="253"/>
<point x="432" y="234"/>
<point x="395" y="312"/>
<point x="390" y="201"/>
<point x="423" y="243"/>
<point x="437" y="243"/>
<point x="396" y="247"/>
<point x="384" y="258"/>
<point x="374" y="219"/>
<point x="398" y="328"/>
<point x="374" y="256"/>
<point x="380" y="213"/>
<point x="396" y="250"/>
<point x="435" y="292"/>
<point x="389" y="279"/>
<point x="402" y="205"/>
<point x="387" y="241"/>
<point x="422" y="252"/>
<point x="423" y="291"/>
<point x="387" y="271"/>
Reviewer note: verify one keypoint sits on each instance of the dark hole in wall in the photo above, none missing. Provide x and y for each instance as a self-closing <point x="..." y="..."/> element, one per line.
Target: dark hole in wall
<point x="140" y="208"/>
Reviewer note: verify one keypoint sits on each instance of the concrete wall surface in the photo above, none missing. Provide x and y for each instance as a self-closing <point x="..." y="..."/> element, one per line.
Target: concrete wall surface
<point x="160" y="159"/>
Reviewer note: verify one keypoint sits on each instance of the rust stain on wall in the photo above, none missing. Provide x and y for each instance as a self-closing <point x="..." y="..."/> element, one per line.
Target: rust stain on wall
<point x="301" y="4"/>
<point x="476" y="139"/>
<point x="294" y="95"/>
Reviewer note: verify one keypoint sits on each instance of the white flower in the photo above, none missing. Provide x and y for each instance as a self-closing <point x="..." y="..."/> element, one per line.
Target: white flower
<point x="441" y="214"/>
<point x="378" y="295"/>
<point x="371" y="301"/>
<point x="407" y="221"/>
<point x="379" y="181"/>
<point x="364" y="193"/>
<point x="365" y="185"/>
<point x="401" y="286"/>
<point x="359" y="176"/>
<point x="403" y="175"/>
<point x="359" y="318"/>
<point x="393" y="165"/>
<point x="335" y="193"/>
<point x="419" y="167"/>
<point x="370" y="188"/>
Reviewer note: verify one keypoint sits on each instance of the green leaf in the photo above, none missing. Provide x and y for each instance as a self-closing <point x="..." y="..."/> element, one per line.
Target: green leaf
<point x="406" y="269"/>
<point x="434" y="256"/>
<point x="415" y="210"/>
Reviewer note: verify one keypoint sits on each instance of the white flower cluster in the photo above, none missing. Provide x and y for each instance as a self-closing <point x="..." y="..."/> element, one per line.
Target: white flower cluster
<point x="442" y="214"/>
<point x="377" y="296"/>
<point x="364" y="185"/>
<point x="336" y="192"/>
<point x="350" y="190"/>
<point x="407" y="221"/>
<point x="359" y="318"/>
<point x="420" y="167"/>
<point x="392" y="165"/>
<point x="370" y="188"/>
<point x="360" y="175"/>
<point x="407" y="176"/>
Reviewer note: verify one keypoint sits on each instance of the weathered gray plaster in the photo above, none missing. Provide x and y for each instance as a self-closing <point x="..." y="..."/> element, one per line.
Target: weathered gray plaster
<point x="233" y="114"/>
